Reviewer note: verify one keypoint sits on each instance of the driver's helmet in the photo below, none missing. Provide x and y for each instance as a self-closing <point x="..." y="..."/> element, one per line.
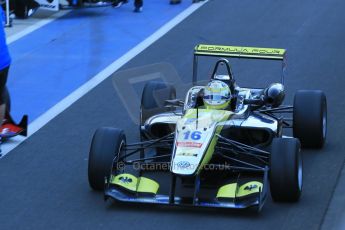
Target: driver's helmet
<point x="217" y="95"/>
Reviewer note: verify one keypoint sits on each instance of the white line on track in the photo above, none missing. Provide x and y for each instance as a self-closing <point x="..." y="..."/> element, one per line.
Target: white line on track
<point x="36" y="26"/>
<point x="101" y="76"/>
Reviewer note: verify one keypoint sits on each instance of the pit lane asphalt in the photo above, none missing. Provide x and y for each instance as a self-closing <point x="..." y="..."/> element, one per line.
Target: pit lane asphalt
<point x="43" y="182"/>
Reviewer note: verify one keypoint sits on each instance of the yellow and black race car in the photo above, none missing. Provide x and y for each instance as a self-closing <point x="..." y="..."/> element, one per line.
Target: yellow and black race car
<point x="223" y="146"/>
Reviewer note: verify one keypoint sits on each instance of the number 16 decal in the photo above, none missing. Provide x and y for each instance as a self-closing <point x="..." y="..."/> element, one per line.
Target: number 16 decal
<point x="196" y="135"/>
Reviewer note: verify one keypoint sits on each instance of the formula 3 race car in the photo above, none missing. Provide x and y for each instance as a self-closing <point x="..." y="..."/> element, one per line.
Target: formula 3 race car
<point x="193" y="155"/>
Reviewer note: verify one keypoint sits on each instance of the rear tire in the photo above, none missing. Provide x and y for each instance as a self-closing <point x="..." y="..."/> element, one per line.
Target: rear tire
<point x="310" y="118"/>
<point x="106" y="145"/>
<point x="286" y="170"/>
<point x="153" y="98"/>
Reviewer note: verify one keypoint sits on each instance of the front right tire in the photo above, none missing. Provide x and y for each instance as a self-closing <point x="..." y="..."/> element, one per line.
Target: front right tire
<point x="107" y="144"/>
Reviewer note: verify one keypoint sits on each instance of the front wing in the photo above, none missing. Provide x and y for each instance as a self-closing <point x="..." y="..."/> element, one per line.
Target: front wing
<point x="149" y="193"/>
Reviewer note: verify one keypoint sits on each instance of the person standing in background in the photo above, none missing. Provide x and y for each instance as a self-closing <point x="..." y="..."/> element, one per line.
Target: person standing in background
<point x="5" y="62"/>
<point x="138" y="4"/>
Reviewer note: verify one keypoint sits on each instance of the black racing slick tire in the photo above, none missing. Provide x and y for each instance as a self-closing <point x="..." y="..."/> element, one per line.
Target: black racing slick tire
<point x="286" y="170"/>
<point x="310" y="118"/>
<point x="21" y="8"/>
<point x="153" y="99"/>
<point x="107" y="143"/>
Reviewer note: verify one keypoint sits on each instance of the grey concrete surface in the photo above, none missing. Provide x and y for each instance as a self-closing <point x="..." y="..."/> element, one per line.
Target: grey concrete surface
<point x="19" y="25"/>
<point x="335" y="217"/>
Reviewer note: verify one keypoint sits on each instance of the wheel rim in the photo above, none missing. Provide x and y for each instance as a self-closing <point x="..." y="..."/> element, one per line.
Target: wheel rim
<point x="141" y="116"/>
<point x="324" y="123"/>
<point x="300" y="171"/>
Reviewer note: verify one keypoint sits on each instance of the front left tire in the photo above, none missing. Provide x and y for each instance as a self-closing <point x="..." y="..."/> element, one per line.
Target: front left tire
<point x="286" y="170"/>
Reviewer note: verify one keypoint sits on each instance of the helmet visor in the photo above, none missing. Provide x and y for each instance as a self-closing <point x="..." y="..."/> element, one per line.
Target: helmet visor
<point x="216" y="97"/>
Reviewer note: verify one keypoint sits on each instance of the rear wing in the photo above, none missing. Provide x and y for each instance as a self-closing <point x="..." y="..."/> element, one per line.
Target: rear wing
<point x="239" y="52"/>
